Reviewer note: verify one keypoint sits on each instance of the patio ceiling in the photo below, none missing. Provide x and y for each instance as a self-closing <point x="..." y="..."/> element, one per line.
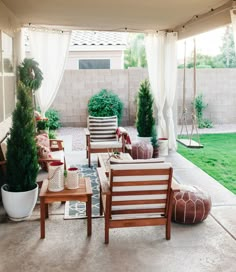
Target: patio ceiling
<point x="136" y="16"/>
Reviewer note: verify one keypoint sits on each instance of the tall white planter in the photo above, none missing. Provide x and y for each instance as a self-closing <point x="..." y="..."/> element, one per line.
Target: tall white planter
<point x="19" y="205"/>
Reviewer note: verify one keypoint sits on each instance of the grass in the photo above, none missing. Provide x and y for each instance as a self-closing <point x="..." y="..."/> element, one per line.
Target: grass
<point x="217" y="158"/>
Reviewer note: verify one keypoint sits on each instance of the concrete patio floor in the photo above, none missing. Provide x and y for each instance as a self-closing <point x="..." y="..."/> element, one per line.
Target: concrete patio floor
<point x="209" y="246"/>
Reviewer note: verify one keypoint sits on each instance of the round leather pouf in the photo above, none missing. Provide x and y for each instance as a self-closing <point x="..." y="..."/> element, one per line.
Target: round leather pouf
<point x="142" y="150"/>
<point x="191" y="205"/>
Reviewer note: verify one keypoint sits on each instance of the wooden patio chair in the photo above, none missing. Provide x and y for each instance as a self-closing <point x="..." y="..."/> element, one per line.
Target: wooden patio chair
<point x="103" y="135"/>
<point x="137" y="195"/>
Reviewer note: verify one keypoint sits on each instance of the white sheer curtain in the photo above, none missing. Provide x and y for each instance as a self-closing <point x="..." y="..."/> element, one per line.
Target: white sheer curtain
<point x="155" y="52"/>
<point x="49" y="49"/>
<point x="20" y="45"/>
<point x="170" y="84"/>
<point x="233" y="20"/>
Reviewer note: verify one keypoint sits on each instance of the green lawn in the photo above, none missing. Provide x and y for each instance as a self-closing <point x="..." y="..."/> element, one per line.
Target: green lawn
<point x="217" y="158"/>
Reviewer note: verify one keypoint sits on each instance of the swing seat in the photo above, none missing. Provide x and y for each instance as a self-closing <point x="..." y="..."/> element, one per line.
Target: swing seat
<point x="189" y="143"/>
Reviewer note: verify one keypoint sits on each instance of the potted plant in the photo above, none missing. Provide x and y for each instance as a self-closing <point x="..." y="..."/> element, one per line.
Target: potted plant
<point x="19" y="194"/>
<point x="42" y="125"/>
<point x="154" y="141"/>
<point x="145" y="120"/>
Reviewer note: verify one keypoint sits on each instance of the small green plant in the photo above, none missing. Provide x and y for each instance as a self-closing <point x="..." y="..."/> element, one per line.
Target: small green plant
<point x="154" y="139"/>
<point x="145" y="120"/>
<point x="42" y="124"/>
<point x="53" y="119"/>
<point x="200" y="106"/>
<point x="52" y="134"/>
<point x="106" y="103"/>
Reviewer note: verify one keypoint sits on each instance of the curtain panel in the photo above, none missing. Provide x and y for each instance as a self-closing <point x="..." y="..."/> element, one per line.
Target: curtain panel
<point x="162" y="69"/>
<point x="49" y="49"/>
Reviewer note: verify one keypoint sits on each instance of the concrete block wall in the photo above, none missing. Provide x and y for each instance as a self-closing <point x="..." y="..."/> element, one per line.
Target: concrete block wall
<point x="78" y="87"/>
<point x="217" y="85"/>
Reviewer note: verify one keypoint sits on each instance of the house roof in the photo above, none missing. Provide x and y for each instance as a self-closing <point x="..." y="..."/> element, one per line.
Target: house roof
<point x="184" y="16"/>
<point x="98" y="38"/>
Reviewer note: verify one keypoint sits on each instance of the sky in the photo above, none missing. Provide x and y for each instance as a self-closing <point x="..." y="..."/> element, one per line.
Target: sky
<point x="207" y="43"/>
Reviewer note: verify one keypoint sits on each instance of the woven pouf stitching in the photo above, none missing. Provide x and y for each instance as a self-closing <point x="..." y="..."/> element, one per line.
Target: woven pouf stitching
<point x="191" y="205"/>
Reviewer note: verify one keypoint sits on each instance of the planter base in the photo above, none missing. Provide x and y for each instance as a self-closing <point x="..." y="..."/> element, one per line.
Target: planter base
<point x="19" y="205"/>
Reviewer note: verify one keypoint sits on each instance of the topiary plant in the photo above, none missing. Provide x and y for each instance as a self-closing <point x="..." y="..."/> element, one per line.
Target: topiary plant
<point x="106" y="103"/>
<point x="22" y="160"/>
<point x="145" y="120"/>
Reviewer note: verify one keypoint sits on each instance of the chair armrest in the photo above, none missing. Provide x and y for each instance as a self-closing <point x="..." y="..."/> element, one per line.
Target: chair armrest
<point x="105" y="188"/>
<point x="58" y="143"/>
<point x="123" y="130"/>
<point x="175" y="187"/>
<point x="49" y="160"/>
<point x="87" y="132"/>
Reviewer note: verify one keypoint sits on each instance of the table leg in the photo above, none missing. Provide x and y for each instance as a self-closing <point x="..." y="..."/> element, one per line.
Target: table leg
<point x="46" y="210"/>
<point x="42" y="218"/>
<point x="89" y="215"/>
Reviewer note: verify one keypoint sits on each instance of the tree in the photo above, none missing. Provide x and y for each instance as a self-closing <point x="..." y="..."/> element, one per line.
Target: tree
<point x="228" y="56"/>
<point x="22" y="160"/>
<point x="135" y="55"/>
<point x="145" y="120"/>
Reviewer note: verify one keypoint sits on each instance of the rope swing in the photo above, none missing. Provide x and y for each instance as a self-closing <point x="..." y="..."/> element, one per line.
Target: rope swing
<point x="189" y="142"/>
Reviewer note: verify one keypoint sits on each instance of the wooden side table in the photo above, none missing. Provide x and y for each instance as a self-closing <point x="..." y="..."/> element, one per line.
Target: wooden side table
<point x="83" y="194"/>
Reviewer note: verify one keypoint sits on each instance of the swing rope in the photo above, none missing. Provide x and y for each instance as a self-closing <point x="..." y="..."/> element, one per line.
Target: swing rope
<point x="189" y="143"/>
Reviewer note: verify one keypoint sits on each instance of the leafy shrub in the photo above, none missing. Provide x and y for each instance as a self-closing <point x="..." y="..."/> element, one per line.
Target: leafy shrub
<point x="106" y="103"/>
<point x="53" y="119"/>
<point x="52" y="134"/>
<point x="200" y="106"/>
<point x="42" y="124"/>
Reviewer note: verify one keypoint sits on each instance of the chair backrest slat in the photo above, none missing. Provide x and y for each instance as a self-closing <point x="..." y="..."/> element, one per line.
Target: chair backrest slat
<point x="140" y="188"/>
<point x="102" y="128"/>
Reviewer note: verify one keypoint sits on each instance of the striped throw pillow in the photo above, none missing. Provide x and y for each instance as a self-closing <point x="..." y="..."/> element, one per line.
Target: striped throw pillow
<point x="102" y="129"/>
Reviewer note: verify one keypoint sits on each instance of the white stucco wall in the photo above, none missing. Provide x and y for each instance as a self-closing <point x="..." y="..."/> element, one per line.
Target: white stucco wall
<point x="116" y="58"/>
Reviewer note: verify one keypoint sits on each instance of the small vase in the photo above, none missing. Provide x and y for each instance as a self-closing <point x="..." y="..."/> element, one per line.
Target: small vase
<point x="72" y="179"/>
<point x="56" y="177"/>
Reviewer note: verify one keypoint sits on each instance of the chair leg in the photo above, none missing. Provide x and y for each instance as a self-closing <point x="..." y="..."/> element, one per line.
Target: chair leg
<point x="106" y="229"/>
<point x="89" y="159"/>
<point x="168" y="230"/>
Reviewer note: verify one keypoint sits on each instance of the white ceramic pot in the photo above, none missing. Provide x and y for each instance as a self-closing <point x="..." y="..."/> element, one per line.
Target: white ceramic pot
<point x="19" y="205"/>
<point x="163" y="147"/>
<point x="72" y="179"/>
<point x="56" y="176"/>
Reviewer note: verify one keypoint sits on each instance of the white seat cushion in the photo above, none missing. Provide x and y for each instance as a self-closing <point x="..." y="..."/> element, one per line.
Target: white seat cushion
<point x="110" y="145"/>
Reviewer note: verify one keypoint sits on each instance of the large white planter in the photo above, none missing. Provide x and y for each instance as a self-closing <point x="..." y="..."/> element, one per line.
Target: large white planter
<point x="19" y="205"/>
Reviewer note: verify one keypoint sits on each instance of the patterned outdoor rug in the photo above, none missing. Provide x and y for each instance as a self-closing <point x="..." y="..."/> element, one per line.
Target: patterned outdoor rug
<point x="77" y="209"/>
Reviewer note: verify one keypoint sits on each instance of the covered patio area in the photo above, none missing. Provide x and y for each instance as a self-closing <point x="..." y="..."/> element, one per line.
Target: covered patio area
<point x="205" y="247"/>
